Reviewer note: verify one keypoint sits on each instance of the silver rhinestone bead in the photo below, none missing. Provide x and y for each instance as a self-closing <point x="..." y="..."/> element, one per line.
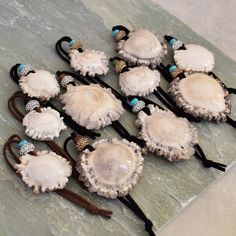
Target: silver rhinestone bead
<point x="23" y="70"/>
<point x="66" y="80"/>
<point x="31" y="105"/>
<point x="138" y="106"/>
<point x="26" y="148"/>
<point x="177" y="45"/>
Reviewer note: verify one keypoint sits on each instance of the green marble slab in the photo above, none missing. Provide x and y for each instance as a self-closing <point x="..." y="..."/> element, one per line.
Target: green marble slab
<point x="29" y="30"/>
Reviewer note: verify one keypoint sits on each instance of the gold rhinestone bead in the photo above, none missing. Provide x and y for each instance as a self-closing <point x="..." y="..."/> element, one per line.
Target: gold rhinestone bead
<point x="81" y="142"/>
<point x="176" y="72"/>
<point x="77" y="44"/>
<point x="119" y="66"/>
<point x="120" y="35"/>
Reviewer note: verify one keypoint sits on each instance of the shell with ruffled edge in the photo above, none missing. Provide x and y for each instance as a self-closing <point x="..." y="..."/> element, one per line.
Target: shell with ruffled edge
<point x="112" y="169"/>
<point x="41" y="84"/>
<point x="45" y="172"/>
<point x="44" y="125"/>
<point x="89" y="62"/>
<point x="139" y="81"/>
<point x="91" y="106"/>
<point x="201" y="96"/>
<point x="142" y="48"/>
<point x="167" y="135"/>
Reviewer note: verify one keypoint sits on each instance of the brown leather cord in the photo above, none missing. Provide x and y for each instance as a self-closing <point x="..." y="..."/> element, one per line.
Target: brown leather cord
<point x="69" y="195"/>
<point x="12" y="105"/>
<point x="73" y="197"/>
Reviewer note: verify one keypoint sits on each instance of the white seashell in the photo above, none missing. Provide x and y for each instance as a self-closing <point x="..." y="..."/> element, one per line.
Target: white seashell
<point x="44" y="125"/>
<point x="167" y="135"/>
<point x="141" y="48"/>
<point x="139" y="81"/>
<point x="45" y="172"/>
<point x="201" y="95"/>
<point x="91" y="106"/>
<point x="112" y="169"/>
<point x="41" y="84"/>
<point x="89" y="62"/>
<point x="194" y="58"/>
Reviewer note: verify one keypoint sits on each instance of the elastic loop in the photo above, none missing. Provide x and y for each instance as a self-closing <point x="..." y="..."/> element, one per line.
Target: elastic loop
<point x="13" y="73"/>
<point x="208" y="163"/>
<point x="60" y="50"/>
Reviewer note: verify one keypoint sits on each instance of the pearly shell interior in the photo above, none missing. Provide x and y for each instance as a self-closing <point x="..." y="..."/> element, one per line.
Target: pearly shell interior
<point x="44" y="125"/>
<point x="89" y="62"/>
<point x="142" y="44"/>
<point x="167" y="135"/>
<point x="91" y="105"/>
<point x="203" y="91"/>
<point x="168" y="130"/>
<point x="139" y="81"/>
<point x="41" y="84"/>
<point x="194" y="58"/>
<point x="112" y="168"/>
<point x="45" y="172"/>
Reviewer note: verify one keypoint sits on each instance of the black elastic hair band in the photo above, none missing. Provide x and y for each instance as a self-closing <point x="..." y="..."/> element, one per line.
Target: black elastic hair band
<point x="207" y="163"/>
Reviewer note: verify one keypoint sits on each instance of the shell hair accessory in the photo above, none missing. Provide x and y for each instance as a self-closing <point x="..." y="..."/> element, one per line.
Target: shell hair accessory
<point x="139" y="47"/>
<point x="86" y="62"/>
<point x="40" y="84"/>
<point x="90" y="105"/>
<point x="157" y="133"/>
<point x="110" y="168"/>
<point x="41" y="123"/>
<point x="45" y="171"/>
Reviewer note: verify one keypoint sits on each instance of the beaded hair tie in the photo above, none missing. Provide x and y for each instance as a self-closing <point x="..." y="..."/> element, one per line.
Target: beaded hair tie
<point x="41" y="123"/>
<point x="139" y="47"/>
<point x="110" y="168"/>
<point x="45" y="171"/>
<point x="86" y="62"/>
<point x="40" y="84"/>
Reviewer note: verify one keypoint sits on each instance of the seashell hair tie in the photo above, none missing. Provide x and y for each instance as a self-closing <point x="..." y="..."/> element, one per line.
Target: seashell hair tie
<point x="157" y="133"/>
<point x="139" y="47"/>
<point x="90" y="105"/>
<point x="99" y="169"/>
<point x="40" y="84"/>
<point x="203" y="95"/>
<point x="86" y="62"/>
<point x="41" y="123"/>
<point x="45" y="171"/>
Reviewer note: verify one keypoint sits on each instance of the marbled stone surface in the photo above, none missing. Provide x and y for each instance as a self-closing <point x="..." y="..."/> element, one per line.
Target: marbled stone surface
<point x="29" y="31"/>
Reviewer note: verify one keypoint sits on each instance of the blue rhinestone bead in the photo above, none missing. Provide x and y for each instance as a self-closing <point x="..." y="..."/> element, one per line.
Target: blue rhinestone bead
<point x="133" y="102"/>
<point x="172" y="68"/>
<point x="21" y="67"/>
<point x="115" y="32"/>
<point x="72" y="42"/>
<point x="172" y="42"/>
<point x="22" y="143"/>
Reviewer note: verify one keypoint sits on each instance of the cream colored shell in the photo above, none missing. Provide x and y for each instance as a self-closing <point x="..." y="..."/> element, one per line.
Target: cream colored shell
<point x="45" y="172"/>
<point x="91" y="106"/>
<point x="41" y="84"/>
<point x="44" y="125"/>
<point x="141" y="48"/>
<point x="139" y="81"/>
<point x="89" y="62"/>
<point x="194" y="58"/>
<point x="112" y="169"/>
<point x="167" y="135"/>
<point x="201" y="95"/>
